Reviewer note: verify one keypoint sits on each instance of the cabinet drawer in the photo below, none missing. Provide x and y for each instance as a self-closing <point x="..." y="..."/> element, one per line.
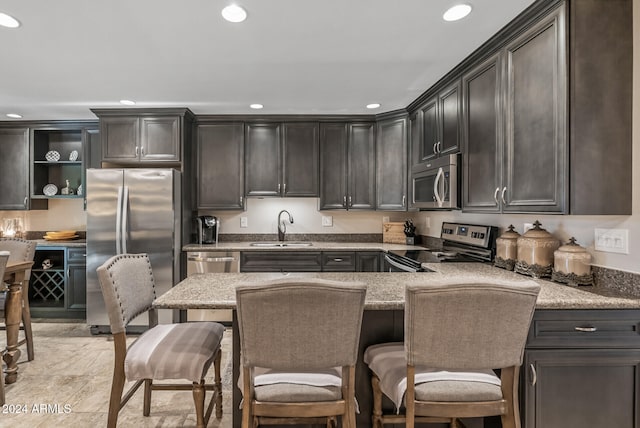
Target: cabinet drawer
<point x="339" y="261"/>
<point x="77" y="255"/>
<point x="280" y="261"/>
<point x="585" y="329"/>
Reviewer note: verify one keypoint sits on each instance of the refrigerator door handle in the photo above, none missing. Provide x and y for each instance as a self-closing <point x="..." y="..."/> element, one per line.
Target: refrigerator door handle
<point x="119" y="221"/>
<point x="125" y="218"/>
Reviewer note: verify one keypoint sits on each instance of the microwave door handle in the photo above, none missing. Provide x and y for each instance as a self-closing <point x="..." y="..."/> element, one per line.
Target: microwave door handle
<point x="119" y="221"/>
<point x="436" y="187"/>
<point x="125" y="218"/>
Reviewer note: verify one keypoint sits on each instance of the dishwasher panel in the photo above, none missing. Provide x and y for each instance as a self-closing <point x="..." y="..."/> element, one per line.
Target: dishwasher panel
<point x="212" y="262"/>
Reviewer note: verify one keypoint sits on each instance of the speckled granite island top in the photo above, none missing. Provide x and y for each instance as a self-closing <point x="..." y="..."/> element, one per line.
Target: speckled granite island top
<point x="386" y="290"/>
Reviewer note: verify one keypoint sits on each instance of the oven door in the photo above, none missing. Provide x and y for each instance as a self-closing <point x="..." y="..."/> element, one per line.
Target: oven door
<point x="435" y="185"/>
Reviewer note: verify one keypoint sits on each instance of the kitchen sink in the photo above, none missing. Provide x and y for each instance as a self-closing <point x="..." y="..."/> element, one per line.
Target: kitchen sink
<point x="271" y="244"/>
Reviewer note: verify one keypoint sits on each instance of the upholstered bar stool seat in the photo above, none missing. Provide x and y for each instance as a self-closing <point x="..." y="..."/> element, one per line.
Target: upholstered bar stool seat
<point x="174" y="351"/>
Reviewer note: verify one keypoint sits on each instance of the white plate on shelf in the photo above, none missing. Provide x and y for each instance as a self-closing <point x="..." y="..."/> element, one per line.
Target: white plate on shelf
<point x="50" y="189"/>
<point x="52" y="156"/>
<point x="73" y="156"/>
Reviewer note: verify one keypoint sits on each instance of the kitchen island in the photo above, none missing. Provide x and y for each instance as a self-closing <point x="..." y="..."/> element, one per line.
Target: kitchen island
<point x="383" y="317"/>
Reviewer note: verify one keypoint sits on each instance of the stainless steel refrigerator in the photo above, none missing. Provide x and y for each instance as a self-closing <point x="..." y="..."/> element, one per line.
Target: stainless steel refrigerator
<point x="132" y="211"/>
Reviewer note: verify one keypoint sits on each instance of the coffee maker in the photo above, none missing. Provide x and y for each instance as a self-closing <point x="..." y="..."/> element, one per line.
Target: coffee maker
<point x="208" y="227"/>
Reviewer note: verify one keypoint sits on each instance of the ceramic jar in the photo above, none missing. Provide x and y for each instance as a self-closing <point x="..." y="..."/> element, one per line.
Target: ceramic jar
<point x="507" y="249"/>
<point x="572" y="265"/>
<point x="535" y="252"/>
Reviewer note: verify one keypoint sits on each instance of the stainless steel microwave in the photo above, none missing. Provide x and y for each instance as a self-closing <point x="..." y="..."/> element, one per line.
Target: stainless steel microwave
<point x="435" y="184"/>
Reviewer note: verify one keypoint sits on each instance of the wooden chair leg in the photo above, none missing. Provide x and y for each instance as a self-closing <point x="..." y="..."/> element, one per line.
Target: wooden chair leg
<point x="1" y="387"/>
<point x="117" y="384"/>
<point x="410" y="397"/>
<point x="509" y="381"/>
<point x="26" y="320"/>
<point x="377" y="402"/>
<point x="218" y="383"/>
<point x="198" y="398"/>
<point x="146" y="407"/>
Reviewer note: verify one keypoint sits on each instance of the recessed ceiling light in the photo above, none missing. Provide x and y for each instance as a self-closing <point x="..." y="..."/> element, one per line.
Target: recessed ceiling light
<point x="14" y="115"/>
<point x="127" y="102"/>
<point x="256" y="106"/>
<point x="234" y="13"/>
<point x="8" y="21"/>
<point x="373" y="105"/>
<point x="457" y="12"/>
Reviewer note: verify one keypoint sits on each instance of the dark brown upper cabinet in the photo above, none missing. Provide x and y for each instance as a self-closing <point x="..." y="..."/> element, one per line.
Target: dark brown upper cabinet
<point x="347" y="166"/>
<point x="282" y="159"/>
<point x="391" y="164"/>
<point x="440" y="122"/>
<point x="131" y="136"/>
<point x="14" y="164"/>
<point x="220" y="166"/>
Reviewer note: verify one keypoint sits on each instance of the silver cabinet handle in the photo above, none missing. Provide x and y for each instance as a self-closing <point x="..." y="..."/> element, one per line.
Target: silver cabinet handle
<point x="435" y="148"/>
<point x="495" y="195"/>
<point x="137" y="151"/>
<point x="439" y="146"/>
<point x="586" y="329"/>
<point x="337" y="260"/>
<point x="241" y="199"/>
<point x="142" y="150"/>
<point x="350" y="203"/>
<point x="278" y="187"/>
<point x="404" y="199"/>
<point x="502" y="196"/>
<point x="534" y="375"/>
<point x="68" y="273"/>
<point x="25" y="201"/>
<point x="284" y="188"/>
<point x="344" y="201"/>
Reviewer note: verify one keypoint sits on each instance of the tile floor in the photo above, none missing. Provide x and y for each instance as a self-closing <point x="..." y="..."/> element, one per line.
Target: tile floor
<point x="69" y="381"/>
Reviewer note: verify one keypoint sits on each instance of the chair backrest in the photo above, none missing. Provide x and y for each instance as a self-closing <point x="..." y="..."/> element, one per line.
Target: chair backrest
<point x="21" y="250"/>
<point x="468" y="324"/>
<point x="4" y="258"/>
<point x="128" y="288"/>
<point x="300" y="323"/>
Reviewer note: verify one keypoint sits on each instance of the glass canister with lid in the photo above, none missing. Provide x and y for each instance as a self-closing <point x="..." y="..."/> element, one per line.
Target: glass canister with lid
<point x="535" y="252"/>
<point x="507" y="249"/>
<point x="572" y="265"/>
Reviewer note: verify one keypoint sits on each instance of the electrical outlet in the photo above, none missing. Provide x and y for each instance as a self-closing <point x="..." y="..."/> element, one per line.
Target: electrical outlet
<point x="327" y="221"/>
<point x="427" y="222"/>
<point x="244" y="222"/>
<point x="612" y="240"/>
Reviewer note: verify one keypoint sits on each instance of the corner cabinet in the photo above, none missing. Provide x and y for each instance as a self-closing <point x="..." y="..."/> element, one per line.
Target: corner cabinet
<point x="220" y="166"/>
<point x="582" y="369"/>
<point x="131" y="136"/>
<point x="14" y="162"/>
<point x="391" y="164"/>
<point x="347" y="166"/>
<point x="281" y="159"/>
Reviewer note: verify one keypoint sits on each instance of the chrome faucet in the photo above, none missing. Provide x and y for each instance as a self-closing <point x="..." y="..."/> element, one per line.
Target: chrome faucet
<point x="282" y="226"/>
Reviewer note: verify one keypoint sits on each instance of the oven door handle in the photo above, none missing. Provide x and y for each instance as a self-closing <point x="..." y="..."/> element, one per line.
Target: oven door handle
<point x="397" y="265"/>
<point x="436" y="187"/>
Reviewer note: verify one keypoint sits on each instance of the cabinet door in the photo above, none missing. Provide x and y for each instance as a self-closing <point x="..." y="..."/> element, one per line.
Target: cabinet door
<point x="449" y="119"/>
<point x="14" y="167"/>
<point x="430" y="131"/>
<point x="76" y="285"/>
<point x="220" y="170"/>
<point x="368" y="261"/>
<point x="160" y="139"/>
<point x="120" y="137"/>
<point x="391" y="165"/>
<point x="482" y="137"/>
<point x="535" y="160"/>
<point x="333" y="166"/>
<point x="361" y="166"/>
<point x="263" y="159"/>
<point x="300" y="152"/>
<point x="581" y="388"/>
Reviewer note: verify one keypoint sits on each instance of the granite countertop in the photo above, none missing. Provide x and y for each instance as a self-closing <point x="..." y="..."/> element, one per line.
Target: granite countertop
<point x="61" y="243"/>
<point x="386" y="290"/>
<point x="315" y="246"/>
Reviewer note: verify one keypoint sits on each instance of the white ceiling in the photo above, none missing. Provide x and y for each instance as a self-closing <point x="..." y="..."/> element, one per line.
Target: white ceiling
<point x="293" y="56"/>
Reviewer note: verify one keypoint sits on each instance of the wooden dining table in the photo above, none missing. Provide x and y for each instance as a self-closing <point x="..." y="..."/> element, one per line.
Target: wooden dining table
<point x="14" y="275"/>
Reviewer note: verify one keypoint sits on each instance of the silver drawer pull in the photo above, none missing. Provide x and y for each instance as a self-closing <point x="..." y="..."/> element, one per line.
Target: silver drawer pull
<point x="337" y="260"/>
<point x="586" y="329"/>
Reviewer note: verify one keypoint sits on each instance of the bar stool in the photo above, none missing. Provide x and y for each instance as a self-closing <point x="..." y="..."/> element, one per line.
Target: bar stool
<point x="4" y="257"/>
<point x="457" y="332"/>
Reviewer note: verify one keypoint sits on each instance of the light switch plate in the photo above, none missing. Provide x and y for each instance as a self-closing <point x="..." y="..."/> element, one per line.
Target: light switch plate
<point x="612" y="240"/>
<point x="244" y="222"/>
<point x="327" y="221"/>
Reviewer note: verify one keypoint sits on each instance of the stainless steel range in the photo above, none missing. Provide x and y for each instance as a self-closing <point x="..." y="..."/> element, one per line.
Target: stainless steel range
<point x="460" y="243"/>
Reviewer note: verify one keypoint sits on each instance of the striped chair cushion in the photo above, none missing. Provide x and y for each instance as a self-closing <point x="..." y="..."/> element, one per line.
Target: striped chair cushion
<point x="388" y="361"/>
<point x="174" y="351"/>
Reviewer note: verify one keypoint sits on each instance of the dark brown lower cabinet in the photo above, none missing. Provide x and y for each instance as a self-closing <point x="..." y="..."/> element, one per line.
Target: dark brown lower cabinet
<point x="582" y="369"/>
